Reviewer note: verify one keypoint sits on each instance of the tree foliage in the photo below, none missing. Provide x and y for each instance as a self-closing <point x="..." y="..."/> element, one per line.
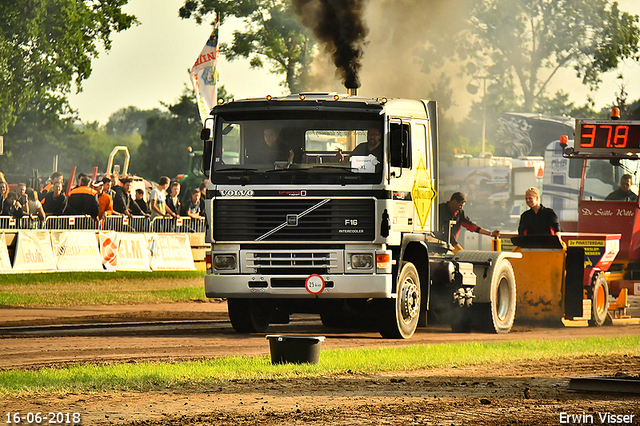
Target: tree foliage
<point x="39" y="135"/>
<point x="524" y="43"/>
<point x="163" y="151"/>
<point x="272" y="33"/>
<point x="46" y="48"/>
<point x="129" y="120"/>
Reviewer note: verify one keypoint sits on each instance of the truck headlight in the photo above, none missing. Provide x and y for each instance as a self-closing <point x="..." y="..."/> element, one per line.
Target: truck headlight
<point x="362" y="261"/>
<point x="224" y="261"/>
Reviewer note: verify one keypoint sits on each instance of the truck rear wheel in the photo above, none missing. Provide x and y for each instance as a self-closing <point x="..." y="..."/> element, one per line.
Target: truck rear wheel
<point x="399" y="318"/>
<point x="249" y="315"/>
<point x="498" y="315"/>
<point x="599" y="300"/>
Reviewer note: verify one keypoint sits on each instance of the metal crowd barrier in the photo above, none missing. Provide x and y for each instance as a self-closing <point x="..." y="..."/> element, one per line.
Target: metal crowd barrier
<point x="179" y="225"/>
<point x="70" y="222"/>
<point x="126" y="224"/>
<point x="111" y="223"/>
<point x="8" y="222"/>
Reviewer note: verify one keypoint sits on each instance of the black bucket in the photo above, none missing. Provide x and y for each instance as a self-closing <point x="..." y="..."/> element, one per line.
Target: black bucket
<point x="295" y="349"/>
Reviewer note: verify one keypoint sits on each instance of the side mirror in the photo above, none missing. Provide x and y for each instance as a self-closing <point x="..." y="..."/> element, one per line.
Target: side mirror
<point x="207" y="154"/>
<point x="205" y="134"/>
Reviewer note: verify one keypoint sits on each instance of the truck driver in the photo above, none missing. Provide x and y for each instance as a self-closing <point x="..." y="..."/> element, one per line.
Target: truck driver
<point x="624" y="193"/>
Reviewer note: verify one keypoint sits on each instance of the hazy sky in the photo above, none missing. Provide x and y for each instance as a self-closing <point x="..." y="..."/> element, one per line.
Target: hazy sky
<point x="149" y="63"/>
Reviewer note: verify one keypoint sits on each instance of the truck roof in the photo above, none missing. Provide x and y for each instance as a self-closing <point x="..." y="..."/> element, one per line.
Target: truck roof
<point x="328" y="102"/>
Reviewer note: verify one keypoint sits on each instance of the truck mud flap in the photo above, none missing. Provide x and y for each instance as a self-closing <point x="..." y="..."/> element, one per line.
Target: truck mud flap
<point x="574" y="284"/>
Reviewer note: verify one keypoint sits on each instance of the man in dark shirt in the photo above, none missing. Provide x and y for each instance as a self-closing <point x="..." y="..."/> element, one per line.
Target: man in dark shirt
<point x="271" y="149"/>
<point x="122" y="203"/>
<point x="538" y="220"/>
<point x="373" y="146"/>
<point x="624" y="193"/>
<point x="55" y="201"/>
<point x="452" y="211"/>
<point x="141" y="202"/>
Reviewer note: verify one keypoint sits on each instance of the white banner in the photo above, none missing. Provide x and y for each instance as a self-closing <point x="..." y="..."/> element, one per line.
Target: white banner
<point x="124" y="251"/>
<point x="5" y="261"/>
<point x="76" y="251"/>
<point x="204" y="74"/>
<point x="170" y="252"/>
<point x="34" y="252"/>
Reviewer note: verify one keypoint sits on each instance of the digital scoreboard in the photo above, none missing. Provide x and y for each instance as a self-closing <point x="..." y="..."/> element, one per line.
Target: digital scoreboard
<point x="607" y="136"/>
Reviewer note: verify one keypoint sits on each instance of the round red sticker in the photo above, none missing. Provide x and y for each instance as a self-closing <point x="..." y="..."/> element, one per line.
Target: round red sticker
<point x="314" y="284"/>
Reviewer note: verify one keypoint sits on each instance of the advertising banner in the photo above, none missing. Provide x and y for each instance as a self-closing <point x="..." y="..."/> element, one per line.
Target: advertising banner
<point x="5" y="261"/>
<point x="76" y="251"/>
<point x="170" y="252"/>
<point x="124" y="251"/>
<point x="34" y="252"/>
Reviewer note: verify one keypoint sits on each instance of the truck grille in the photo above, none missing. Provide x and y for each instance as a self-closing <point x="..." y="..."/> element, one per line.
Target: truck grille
<point x="299" y="219"/>
<point x="282" y="263"/>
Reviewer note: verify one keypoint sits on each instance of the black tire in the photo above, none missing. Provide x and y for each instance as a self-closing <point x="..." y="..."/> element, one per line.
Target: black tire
<point x="399" y="316"/>
<point x="249" y="315"/>
<point x="599" y="295"/>
<point x="498" y="315"/>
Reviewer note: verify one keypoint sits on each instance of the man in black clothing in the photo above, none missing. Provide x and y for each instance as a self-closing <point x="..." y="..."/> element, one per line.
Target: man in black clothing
<point x="452" y="211"/>
<point x="122" y="202"/>
<point x="373" y="146"/>
<point x="55" y="201"/>
<point x="538" y="220"/>
<point x="271" y="149"/>
<point x="624" y="193"/>
<point x="141" y="202"/>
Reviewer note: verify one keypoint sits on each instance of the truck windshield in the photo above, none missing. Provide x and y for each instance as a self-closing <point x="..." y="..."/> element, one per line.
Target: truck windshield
<point x="307" y="148"/>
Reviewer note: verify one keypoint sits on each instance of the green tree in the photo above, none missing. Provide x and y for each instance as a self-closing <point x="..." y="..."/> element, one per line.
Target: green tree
<point x="163" y="151"/>
<point x="272" y="33"/>
<point x="129" y="120"/>
<point x="46" y="48"/>
<point x="523" y="43"/>
<point x="39" y="136"/>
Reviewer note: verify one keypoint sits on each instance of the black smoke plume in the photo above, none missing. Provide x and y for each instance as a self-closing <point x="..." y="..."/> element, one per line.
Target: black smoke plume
<point x="338" y="24"/>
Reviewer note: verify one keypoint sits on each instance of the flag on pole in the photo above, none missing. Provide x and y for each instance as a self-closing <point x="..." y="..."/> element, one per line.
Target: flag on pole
<point x="204" y="73"/>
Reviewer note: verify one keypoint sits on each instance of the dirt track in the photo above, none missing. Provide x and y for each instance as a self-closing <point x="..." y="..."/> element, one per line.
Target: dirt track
<point x="521" y="393"/>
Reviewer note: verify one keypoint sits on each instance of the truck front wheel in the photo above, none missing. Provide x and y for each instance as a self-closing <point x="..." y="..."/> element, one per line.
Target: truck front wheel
<point x="249" y="315"/>
<point x="399" y="318"/>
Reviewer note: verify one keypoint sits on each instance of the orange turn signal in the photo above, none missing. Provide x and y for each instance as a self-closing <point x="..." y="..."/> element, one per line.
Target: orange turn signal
<point x="383" y="261"/>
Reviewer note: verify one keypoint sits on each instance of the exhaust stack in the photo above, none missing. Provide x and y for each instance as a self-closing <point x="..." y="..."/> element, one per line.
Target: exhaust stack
<point x="352" y="91"/>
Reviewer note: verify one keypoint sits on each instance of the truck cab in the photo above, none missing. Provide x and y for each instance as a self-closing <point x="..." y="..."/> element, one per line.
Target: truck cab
<point x="308" y="214"/>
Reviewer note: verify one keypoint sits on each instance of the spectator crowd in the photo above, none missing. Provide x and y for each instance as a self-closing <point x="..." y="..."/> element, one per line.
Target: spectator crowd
<point x="106" y="196"/>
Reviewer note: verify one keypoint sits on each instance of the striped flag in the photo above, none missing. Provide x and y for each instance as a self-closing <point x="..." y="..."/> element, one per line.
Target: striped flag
<point x="204" y="73"/>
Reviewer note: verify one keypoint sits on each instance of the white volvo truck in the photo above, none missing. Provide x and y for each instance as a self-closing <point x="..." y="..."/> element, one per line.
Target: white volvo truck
<point x="308" y="226"/>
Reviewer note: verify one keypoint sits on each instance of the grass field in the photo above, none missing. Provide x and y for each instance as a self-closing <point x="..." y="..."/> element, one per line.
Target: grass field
<point x="99" y="288"/>
<point x="144" y="377"/>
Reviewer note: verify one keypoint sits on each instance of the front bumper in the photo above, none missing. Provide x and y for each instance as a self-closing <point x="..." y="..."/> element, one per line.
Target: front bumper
<point x="350" y="286"/>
